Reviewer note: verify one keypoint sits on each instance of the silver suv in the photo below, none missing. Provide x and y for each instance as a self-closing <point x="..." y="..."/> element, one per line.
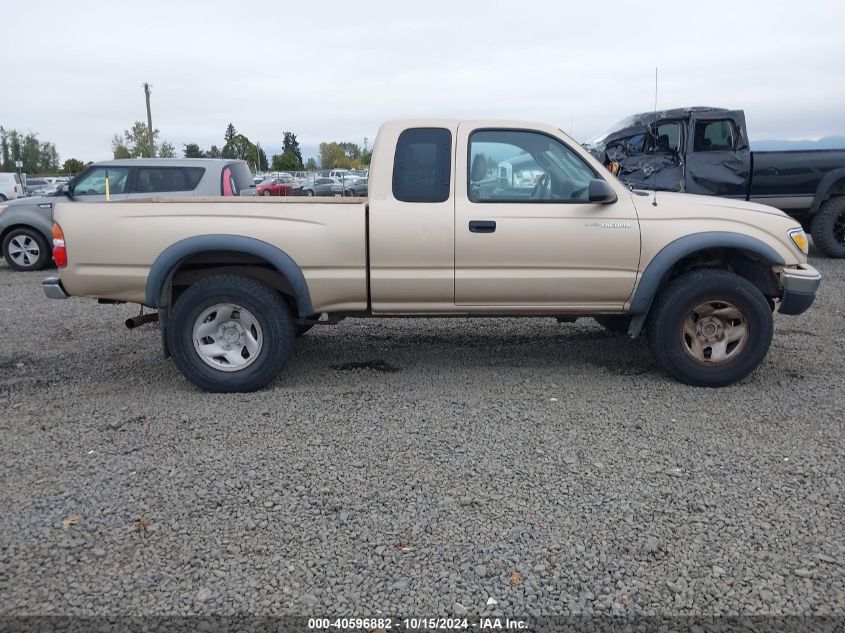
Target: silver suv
<point x="26" y="224"/>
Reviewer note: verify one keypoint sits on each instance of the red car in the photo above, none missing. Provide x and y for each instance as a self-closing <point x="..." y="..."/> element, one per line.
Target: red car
<point x="282" y="186"/>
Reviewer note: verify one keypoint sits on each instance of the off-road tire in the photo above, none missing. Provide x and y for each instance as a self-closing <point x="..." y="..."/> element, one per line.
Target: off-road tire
<point x="828" y="228"/>
<point x="16" y="236"/>
<point x="677" y="301"/>
<point x="616" y="323"/>
<point x="264" y="303"/>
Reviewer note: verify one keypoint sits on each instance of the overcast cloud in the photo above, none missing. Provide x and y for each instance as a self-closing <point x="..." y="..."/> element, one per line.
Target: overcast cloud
<point x="335" y="71"/>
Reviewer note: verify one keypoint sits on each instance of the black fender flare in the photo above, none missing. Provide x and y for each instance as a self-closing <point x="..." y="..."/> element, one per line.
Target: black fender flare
<point x="830" y="178"/>
<point x="660" y="265"/>
<point x="162" y="269"/>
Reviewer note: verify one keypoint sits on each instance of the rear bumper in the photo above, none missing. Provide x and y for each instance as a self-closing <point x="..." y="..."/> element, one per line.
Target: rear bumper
<point x="53" y="288"/>
<point x="799" y="289"/>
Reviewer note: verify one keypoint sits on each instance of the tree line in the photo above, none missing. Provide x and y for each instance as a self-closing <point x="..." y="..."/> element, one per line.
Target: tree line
<point x="37" y="156"/>
<point x="239" y="146"/>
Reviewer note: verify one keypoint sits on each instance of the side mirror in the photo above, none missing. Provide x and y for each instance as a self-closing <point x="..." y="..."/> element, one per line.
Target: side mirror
<point x="601" y="192"/>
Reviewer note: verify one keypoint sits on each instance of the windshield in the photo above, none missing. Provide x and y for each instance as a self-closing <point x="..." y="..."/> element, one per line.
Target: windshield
<point x="598" y="141"/>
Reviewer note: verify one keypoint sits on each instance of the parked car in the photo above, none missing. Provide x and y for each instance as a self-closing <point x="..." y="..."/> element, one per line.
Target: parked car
<point x="323" y="187"/>
<point x="340" y="174"/>
<point x="284" y="186"/>
<point x="701" y="275"/>
<point x="11" y="187"/>
<point x="26" y="227"/>
<point x="35" y="186"/>
<point x="358" y="188"/>
<point x="706" y="151"/>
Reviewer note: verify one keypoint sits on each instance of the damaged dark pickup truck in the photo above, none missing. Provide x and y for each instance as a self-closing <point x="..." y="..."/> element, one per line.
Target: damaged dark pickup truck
<point x="706" y="151"/>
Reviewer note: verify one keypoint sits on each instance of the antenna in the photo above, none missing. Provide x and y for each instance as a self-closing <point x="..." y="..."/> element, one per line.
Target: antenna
<point x="654" y="200"/>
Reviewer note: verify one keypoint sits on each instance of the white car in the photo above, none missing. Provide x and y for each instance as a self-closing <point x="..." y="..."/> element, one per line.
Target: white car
<point x="11" y="187"/>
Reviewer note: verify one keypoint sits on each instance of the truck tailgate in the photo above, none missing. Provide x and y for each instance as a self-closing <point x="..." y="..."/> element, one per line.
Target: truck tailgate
<point x="111" y="246"/>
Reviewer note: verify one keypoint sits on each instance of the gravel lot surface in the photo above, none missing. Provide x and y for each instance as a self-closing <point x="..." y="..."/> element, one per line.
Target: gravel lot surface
<point x="552" y="467"/>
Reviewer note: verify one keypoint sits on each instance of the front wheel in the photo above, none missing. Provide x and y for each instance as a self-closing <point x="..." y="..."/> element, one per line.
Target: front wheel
<point x="26" y="249"/>
<point x="230" y="333"/>
<point x="266" y="192"/>
<point x="828" y="228"/>
<point x="710" y="328"/>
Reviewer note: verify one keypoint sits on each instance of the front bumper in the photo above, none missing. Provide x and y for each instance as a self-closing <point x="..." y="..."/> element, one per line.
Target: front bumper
<point x="53" y="288"/>
<point x="799" y="289"/>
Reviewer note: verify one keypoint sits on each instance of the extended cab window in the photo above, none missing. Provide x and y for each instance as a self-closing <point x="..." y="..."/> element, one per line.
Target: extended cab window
<point x="714" y="136"/>
<point x="422" y="166"/>
<point x="522" y="166"/>
<point x="164" y="179"/>
<point x="93" y="183"/>
<point x="666" y="139"/>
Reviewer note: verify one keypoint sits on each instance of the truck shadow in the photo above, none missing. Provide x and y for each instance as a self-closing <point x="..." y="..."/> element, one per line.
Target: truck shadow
<point x="439" y="348"/>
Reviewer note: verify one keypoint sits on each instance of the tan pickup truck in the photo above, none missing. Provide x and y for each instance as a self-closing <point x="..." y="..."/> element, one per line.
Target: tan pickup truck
<point x="464" y="218"/>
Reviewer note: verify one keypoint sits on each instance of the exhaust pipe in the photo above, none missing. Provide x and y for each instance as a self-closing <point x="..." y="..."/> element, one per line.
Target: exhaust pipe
<point x="141" y="319"/>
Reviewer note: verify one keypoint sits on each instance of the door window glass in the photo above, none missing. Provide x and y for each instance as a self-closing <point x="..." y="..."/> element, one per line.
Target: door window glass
<point x="94" y="182"/>
<point x="712" y="136"/>
<point x="666" y="139"/>
<point x="161" y="179"/>
<point x="521" y="166"/>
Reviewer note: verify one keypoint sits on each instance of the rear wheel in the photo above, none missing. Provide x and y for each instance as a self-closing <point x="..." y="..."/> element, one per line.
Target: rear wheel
<point x="828" y="228"/>
<point x="230" y="333"/>
<point x="710" y="328"/>
<point x="26" y="249"/>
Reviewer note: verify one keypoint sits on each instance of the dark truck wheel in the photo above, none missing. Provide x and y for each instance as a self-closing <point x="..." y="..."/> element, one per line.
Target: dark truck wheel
<point x="828" y="228"/>
<point x="710" y="328"/>
<point x="26" y="249"/>
<point x="616" y="323"/>
<point x="230" y="333"/>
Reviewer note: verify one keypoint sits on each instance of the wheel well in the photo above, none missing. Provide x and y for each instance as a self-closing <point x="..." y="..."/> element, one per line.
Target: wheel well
<point x="9" y="229"/>
<point x="745" y="264"/>
<point x="837" y="189"/>
<point x="210" y="263"/>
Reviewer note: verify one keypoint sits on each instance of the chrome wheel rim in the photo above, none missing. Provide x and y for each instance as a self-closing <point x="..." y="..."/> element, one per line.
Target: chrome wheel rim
<point x="24" y="250"/>
<point x="714" y="332"/>
<point x="227" y="337"/>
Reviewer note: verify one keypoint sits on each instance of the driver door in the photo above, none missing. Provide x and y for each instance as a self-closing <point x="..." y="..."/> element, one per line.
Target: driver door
<point x="526" y="233"/>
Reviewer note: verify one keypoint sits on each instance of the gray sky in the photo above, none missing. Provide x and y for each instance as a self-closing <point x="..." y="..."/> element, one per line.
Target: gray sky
<point x="335" y="71"/>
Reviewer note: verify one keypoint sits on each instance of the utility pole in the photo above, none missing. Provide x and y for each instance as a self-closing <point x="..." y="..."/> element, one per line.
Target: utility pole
<point x="149" y="121"/>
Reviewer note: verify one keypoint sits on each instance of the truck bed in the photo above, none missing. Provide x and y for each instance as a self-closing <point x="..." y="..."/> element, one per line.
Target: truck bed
<point x="325" y="236"/>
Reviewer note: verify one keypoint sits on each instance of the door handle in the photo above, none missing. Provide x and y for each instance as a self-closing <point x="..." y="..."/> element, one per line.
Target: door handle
<point x="482" y="226"/>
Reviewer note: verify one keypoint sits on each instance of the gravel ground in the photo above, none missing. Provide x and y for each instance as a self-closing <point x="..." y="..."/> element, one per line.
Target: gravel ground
<point x="552" y="467"/>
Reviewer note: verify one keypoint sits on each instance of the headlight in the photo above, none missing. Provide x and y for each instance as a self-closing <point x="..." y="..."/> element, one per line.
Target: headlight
<point x="799" y="238"/>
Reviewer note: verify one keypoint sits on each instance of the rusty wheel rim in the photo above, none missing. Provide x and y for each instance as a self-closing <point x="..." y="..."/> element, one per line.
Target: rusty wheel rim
<point x="714" y="332"/>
